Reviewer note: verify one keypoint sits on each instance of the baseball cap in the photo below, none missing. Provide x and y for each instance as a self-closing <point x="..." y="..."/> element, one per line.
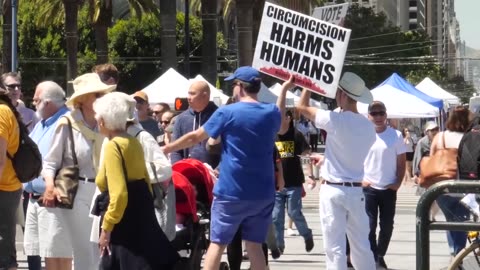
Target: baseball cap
<point x="141" y="95"/>
<point x="245" y="74"/>
<point x="430" y="125"/>
<point x="377" y="105"/>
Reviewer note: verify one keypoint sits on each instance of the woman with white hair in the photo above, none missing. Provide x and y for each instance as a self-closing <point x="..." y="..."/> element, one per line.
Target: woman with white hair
<point x="86" y="142"/>
<point x="130" y="236"/>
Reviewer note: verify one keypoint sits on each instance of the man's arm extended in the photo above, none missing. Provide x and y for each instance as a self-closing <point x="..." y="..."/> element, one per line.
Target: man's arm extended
<point x="186" y="141"/>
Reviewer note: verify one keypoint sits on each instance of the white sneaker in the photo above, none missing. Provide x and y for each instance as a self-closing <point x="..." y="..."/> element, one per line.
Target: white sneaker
<point x="291" y="232"/>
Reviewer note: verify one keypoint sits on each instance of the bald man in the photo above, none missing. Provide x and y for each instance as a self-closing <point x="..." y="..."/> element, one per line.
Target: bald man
<point x="197" y="114"/>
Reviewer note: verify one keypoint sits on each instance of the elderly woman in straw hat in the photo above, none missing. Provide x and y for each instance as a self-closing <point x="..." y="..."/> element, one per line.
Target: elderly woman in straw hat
<point x="87" y="143"/>
<point x="130" y="237"/>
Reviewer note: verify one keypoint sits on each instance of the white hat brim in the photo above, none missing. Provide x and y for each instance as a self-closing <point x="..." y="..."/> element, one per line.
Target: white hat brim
<point x="366" y="96"/>
<point x="77" y="94"/>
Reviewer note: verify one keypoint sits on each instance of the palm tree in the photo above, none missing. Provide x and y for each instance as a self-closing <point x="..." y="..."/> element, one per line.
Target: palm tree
<point x="209" y="48"/>
<point x="7" y="35"/>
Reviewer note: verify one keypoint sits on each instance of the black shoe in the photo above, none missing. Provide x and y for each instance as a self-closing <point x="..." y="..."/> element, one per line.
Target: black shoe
<point x="276" y="253"/>
<point x="349" y="265"/>
<point x="381" y="263"/>
<point x="309" y="244"/>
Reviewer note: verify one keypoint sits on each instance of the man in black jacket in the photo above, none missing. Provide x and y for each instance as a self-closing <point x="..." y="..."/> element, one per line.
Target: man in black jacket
<point x="199" y="112"/>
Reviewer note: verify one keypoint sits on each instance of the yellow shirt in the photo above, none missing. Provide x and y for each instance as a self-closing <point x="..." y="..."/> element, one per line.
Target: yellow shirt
<point x="110" y="176"/>
<point x="9" y="131"/>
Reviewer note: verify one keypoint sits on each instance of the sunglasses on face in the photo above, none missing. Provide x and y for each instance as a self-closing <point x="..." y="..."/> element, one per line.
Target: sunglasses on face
<point x="14" y="86"/>
<point x="165" y="122"/>
<point x="381" y="113"/>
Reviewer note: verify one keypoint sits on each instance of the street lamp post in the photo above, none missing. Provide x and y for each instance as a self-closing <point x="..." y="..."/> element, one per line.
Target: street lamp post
<point x="187" y="40"/>
<point x="14" y="36"/>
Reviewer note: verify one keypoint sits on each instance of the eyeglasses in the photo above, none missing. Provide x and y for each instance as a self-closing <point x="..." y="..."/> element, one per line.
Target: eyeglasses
<point x="156" y="112"/>
<point x="165" y="122"/>
<point x="99" y="95"/>
<point x="14" y="85"/>
<point x="381" y="113"/>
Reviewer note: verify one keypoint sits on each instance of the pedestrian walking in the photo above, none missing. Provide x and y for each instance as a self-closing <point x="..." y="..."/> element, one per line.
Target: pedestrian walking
<point x="384" y="172"/>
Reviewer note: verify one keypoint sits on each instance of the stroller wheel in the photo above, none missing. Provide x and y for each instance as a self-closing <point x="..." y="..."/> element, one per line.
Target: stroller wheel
<point x="224" y="266"/>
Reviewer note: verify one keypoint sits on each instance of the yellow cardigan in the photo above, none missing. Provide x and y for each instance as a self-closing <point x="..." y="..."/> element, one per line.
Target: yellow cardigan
<point x="110" y="176"/>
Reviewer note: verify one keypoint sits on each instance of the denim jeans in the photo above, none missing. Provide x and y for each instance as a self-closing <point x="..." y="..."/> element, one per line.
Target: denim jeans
<point x="380" y="204"/>
<point x="292" y="196"/>
<point x="454" y="210"/>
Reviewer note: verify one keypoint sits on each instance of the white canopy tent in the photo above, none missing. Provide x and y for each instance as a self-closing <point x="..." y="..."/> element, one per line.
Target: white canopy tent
<point x="167" y="87"/>
<point x="400" y="104"/>
<point x="265" y="95"/>
<point x="172" y="85"/>
<point x="430" y="88"/>
<point x="312" y="102"/>
<point x="215" y="94"/>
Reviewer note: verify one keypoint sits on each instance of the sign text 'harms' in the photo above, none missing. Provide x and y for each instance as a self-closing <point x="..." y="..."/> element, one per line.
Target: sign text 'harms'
<point x="293" y="43"/>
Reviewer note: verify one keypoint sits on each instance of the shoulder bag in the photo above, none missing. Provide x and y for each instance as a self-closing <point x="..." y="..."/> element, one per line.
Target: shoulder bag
<point x="438" y="167"/>
<point x="66" y="178"/>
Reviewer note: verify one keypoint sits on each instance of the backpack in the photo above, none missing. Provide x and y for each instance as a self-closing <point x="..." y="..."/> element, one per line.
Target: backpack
<point x="27" y="161"/>
<point x="469" y="154"/>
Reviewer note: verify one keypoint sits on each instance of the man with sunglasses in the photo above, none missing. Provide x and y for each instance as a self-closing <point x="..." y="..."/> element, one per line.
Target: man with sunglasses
<point x="342" y="202"/>
<point x="12" y="82"/>
<point x="143" y="107"/>
<point x="384" y="172"/>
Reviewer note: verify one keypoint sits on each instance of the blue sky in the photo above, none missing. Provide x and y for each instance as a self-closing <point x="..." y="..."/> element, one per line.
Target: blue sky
<point x="467" y="12"/>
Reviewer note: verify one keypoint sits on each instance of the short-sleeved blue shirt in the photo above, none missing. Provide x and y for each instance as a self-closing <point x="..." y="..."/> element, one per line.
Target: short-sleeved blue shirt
<point x="248" y="131"/>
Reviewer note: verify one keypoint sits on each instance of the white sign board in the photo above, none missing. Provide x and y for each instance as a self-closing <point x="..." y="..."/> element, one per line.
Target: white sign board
<point x="310" y="49"/>
<point x="332" y="13"/>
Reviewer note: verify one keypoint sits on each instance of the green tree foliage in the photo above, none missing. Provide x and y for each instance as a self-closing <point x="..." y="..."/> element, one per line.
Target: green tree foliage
<point x="458" y="87"/>
<point x="134" y="47"/>
<point x="377" y="48"/>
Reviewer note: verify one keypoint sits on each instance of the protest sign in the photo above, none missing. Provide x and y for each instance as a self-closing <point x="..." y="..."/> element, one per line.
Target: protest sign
<point x="293" y="43"/>
<point x="332" y="13"/>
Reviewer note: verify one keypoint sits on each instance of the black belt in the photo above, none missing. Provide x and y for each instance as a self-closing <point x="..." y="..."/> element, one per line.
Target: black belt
<point x="345" y="184"/>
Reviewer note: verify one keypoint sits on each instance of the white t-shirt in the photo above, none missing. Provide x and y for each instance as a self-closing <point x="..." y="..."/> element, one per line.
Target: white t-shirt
<point x="350" y="136"/>
<point x="381" y="161"/>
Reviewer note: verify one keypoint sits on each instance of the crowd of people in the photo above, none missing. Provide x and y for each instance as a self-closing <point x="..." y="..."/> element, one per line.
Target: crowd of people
<point x="123" y="148"/>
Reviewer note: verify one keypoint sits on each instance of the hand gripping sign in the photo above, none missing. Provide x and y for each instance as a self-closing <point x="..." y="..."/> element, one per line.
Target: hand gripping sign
<point x="293" y="43"/>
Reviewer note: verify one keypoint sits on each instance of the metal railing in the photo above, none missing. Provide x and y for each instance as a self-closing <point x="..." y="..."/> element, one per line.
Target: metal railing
<point x="424" y="225"/>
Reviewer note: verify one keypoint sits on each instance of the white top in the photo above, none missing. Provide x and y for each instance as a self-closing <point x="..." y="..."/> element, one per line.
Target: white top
<point x="350" y="136"/>
<point x="153" y="154"/>
<point x="60" y="154"/>
<point x="381" y="161"/>
<point x="452" y="139"/>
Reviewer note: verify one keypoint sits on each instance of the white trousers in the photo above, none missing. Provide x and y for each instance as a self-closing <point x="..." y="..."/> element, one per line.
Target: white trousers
<point x="45" y="233"/>
<point x="342" y="211"/>
<point x="79" y="224"/>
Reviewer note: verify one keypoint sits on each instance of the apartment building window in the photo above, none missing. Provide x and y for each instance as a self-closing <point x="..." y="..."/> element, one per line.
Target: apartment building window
<point x="413" y="3"/>
<point x="412" y="15"/>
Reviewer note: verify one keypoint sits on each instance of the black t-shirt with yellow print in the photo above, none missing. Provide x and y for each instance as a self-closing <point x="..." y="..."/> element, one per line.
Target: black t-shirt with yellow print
<point x="290" y="146"/>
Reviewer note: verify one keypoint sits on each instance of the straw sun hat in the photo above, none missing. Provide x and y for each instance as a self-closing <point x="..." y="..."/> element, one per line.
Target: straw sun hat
<point x="88" y="83"/>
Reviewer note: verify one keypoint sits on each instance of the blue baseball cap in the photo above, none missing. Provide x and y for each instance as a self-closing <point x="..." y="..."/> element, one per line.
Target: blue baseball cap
<point x="245" y="74"/>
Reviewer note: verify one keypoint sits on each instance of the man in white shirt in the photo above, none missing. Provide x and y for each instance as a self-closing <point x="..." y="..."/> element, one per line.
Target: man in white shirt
<point x="384" y="171"/>
<point x="342" y="202"/>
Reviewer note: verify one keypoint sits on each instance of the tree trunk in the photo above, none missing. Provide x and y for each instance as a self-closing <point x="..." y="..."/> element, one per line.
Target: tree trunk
<point x="7" y="36"/>
<point x="102" y="24"/>
<point x="71" y="36"/>
<point x="168" y="20"/>
<point x="244" y="30"/>
<point x="209" y="47"/>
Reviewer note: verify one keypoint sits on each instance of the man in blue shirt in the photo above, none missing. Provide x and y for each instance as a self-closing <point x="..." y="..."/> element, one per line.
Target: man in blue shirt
<point x="244" y="193"/>
<point x="49" y="99"/>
